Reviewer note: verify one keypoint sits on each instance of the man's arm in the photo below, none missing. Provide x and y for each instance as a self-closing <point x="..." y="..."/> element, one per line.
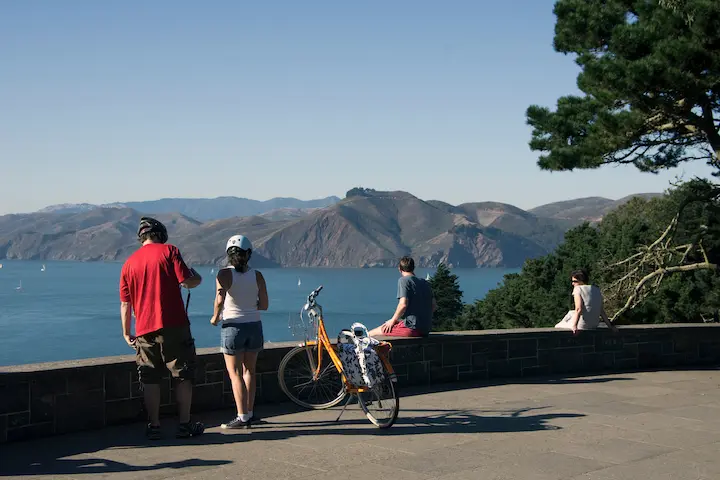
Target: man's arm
<point x="188" y="277"/>
<point x="193" y="281"/>
<point x="399" y="312"/>
<point x="126" y="320"/>
<point x="125" y="309"/>
<point x="223" y="282"/>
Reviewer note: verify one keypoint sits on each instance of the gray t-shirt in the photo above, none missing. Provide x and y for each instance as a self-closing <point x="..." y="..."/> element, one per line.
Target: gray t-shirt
<point x="418" y="314"/>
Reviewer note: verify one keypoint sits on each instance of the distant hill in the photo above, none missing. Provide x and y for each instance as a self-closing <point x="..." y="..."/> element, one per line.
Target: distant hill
<point x="204" y="209"/>
<point x="580" y="210"/>
<point x="368" y="228"/>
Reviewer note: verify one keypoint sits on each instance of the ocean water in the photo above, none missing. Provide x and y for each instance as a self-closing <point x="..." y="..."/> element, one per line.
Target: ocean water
<point x="72" y="309"/>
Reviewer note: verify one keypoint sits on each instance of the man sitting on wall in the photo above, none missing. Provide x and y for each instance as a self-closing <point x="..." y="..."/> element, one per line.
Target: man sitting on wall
<point x="416" y="304"/>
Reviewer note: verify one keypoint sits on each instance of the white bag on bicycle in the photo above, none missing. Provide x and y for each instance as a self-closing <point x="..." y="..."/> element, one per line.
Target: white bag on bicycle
<point x="361" y="363"/>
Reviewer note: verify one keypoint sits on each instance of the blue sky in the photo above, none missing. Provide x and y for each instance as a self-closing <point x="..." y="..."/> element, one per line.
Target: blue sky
<point x="113" y="100"/>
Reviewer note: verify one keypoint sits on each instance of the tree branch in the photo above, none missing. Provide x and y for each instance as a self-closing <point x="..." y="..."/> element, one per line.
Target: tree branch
<point x="630" y="303"/>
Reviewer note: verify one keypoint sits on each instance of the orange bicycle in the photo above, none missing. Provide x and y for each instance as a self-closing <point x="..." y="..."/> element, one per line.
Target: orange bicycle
<point x="311" y="381"/>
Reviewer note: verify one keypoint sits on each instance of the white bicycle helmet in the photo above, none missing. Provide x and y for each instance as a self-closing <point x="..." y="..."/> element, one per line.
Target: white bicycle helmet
<point x="238" y="241"/>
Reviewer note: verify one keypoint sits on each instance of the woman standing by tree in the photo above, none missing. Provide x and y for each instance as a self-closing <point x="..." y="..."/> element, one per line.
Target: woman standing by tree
<point x="241" y="295"/>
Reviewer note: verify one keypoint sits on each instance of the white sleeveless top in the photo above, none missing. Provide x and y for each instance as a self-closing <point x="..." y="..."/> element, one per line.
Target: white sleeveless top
<point x="592" y="306"/>
<point x="241" y="300"/>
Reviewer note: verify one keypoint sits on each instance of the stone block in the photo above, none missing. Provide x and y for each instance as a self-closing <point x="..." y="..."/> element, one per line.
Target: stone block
<point x="269" y="359"/>
<point x="629" y="351"/>
<point x="709" y="350"/>
<point x="271" y="391"/>
<point x="79" y="411"/>
<point x="81" y="380"/>
<point x="473" y="375"/>
<point x="522" y="348"/>
<point x="482" y="347"/>
<point x="566" y="360"/>
<point x="593" y="362"/>
<point x="529" y="362"/>
<point x="457" y="354"/>
<point x="433" y="352"/>
<point x="42" y="406"/>
<point x="440" y="374"/>
<point x="623" y="364"/>
<point x="207" y="397"/>
<point x="406" y="354"/>
<point x="685" y="344"/>
<point x="505" y="368"/>
<point x="418" y="374"/>
<point x="48" y="383"/>
<point x="649" y="354"/>
<point x="536" y="371"/>
<point x="479" y="361"/>
<point x="30" y="432"/>
<point x="136" y="390"/>
<point x="608" y="343"/>
<point x="16" y="420"/>
<point x="14" y="397"/>
<point x="124" y="411"/>
<point x="215" y="377"/>
<point x="118" y="384"/>
<point x="400" y="369"/>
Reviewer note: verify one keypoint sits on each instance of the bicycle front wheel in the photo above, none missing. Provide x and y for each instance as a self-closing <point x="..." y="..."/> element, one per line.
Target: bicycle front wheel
<point x="296" y="378"/>
<point x="381" y="403"/>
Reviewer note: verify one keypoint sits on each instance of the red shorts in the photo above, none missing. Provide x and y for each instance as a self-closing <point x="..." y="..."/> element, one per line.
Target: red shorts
<point x="400" y="330"/>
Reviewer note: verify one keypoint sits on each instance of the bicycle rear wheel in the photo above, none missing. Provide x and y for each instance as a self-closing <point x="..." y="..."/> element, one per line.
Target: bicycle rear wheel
<point x="381" y="403"/>
<point x="295" y="376"/>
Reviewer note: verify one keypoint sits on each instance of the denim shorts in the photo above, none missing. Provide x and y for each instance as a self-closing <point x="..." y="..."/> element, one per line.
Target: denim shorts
<point x="241" y="337"/>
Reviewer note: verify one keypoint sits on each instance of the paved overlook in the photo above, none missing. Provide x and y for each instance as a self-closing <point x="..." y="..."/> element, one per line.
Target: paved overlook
<point x="659" y="425"/>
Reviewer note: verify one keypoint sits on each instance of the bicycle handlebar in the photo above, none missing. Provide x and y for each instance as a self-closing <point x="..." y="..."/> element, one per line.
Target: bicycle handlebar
<point x="311" y="297"/>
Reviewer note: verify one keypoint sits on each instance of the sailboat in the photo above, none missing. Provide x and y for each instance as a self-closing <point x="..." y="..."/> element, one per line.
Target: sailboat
<point x="427" y="276"/>
<point x="43" y="268"/>
<point x="19" y="287"/>
<point x="299" y="282"/>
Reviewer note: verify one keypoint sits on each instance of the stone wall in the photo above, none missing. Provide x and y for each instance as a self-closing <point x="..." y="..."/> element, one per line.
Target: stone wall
<point x="46" y="399"/>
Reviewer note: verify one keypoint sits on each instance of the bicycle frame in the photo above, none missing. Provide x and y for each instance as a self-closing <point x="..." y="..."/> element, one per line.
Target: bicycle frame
<point x="322" y="341"/>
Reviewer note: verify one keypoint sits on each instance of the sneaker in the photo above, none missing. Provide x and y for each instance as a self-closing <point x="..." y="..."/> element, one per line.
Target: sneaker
<point x="152" y="432"/>
<point x="190" y="429"/>
<point x="236" y="423"/>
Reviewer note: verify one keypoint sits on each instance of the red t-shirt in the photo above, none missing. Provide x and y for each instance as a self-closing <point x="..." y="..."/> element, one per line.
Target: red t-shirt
<point x="150" y="282"/>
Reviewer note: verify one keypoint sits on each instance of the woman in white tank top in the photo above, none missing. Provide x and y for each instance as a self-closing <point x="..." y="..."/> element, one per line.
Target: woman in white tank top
<point x="241" y="295"/>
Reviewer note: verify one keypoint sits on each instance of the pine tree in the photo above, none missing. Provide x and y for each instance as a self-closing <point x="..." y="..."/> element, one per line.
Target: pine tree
<point x="448" y="297"/>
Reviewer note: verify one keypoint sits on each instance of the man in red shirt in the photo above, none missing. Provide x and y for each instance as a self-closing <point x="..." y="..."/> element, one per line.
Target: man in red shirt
<point x="150" y="283"/>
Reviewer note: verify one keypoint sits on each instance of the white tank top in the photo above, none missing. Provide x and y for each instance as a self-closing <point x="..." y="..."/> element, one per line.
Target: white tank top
<point x="242" y="298"/>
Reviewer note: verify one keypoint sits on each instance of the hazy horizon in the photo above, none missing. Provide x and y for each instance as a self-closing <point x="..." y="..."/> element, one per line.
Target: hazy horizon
<point x="110" y="204"/>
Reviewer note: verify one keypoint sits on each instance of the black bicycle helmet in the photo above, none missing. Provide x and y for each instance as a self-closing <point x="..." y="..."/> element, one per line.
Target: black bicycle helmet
<point x="150" y="225"/>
